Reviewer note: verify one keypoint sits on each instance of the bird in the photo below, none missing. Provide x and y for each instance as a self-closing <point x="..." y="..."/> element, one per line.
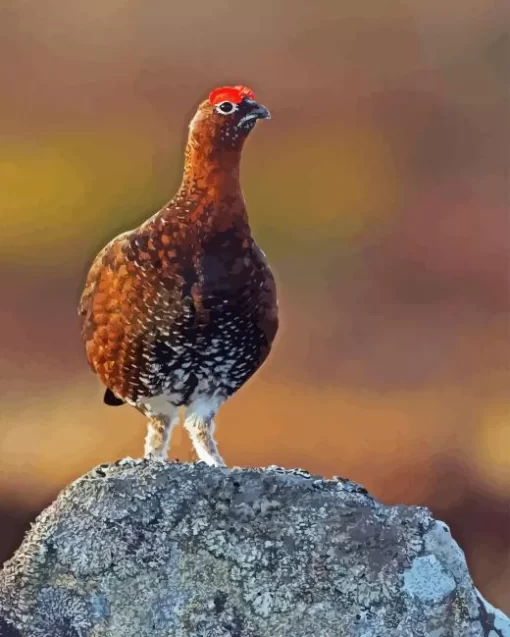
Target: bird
<point x="179" y="312"/>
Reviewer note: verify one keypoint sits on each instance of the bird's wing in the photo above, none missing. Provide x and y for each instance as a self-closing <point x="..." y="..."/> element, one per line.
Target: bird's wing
<point x="102" y="260"/>
<point x="132" y="308"/>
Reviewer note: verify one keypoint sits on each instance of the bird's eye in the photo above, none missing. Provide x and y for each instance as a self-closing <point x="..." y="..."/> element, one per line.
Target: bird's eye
<point x="225" y="108"/>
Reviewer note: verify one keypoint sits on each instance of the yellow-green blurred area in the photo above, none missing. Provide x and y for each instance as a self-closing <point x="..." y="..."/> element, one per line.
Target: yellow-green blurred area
<point x="378" y="191"/>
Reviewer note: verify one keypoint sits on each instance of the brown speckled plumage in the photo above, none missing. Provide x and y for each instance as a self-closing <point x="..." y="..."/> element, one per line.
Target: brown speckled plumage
<point x="182" y="310"/>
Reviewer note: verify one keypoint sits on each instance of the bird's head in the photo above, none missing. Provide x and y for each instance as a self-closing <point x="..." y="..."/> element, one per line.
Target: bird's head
<point x="225" y="119"/>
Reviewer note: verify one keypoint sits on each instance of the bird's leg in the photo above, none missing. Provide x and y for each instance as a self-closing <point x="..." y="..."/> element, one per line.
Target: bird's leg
<point x="201" y="430"/>
<point x="158" y="436"/>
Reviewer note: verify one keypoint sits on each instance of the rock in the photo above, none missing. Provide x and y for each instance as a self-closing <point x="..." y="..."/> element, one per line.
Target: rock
<point x="144" y="548"/>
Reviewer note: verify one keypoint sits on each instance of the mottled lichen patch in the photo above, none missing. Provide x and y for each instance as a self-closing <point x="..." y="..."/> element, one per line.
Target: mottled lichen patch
<point x="426" y="580"/>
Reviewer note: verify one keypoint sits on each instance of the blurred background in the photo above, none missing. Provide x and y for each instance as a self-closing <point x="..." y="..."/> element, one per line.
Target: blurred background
<point x="378" y="191"/>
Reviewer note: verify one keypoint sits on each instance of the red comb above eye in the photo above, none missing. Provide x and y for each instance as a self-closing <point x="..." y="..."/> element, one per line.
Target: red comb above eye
<point x="233" y="94"/>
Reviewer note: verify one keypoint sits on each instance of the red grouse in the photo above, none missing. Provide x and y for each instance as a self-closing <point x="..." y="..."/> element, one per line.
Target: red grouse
<point x="182" y="310"/>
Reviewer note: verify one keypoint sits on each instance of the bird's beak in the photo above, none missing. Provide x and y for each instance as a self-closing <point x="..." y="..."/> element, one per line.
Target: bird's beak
<point x="253" y="110"/>
<point x="260" y="111"/>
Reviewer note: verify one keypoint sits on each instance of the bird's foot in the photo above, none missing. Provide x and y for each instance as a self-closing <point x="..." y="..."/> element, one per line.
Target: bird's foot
<point x="210" y="459"/>
<point x="154" y="456"/>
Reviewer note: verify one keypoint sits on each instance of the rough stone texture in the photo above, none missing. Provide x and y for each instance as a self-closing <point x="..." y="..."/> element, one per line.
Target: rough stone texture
<point x="171" y="550"/>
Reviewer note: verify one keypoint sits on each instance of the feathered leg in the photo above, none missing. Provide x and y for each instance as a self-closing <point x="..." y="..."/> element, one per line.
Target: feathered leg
<point x="157" y="440"/>
<point x="199" y="423"/>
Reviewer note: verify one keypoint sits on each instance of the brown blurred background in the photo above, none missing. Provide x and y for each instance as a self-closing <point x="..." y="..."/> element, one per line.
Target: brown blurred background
<point x="378" y="191"/>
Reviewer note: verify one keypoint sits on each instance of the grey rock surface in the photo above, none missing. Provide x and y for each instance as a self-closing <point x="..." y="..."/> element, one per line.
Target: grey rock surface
<point x="155" y="549"/>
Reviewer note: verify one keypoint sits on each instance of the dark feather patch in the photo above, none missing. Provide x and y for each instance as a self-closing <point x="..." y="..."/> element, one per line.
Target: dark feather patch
<point x="111" y="399"/>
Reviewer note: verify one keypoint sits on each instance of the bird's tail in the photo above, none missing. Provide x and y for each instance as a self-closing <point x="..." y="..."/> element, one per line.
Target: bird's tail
<point x="111" y="399"/>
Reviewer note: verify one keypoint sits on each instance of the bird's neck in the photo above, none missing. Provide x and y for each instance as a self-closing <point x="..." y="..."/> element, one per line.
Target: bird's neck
<point x="212" y="169"/>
